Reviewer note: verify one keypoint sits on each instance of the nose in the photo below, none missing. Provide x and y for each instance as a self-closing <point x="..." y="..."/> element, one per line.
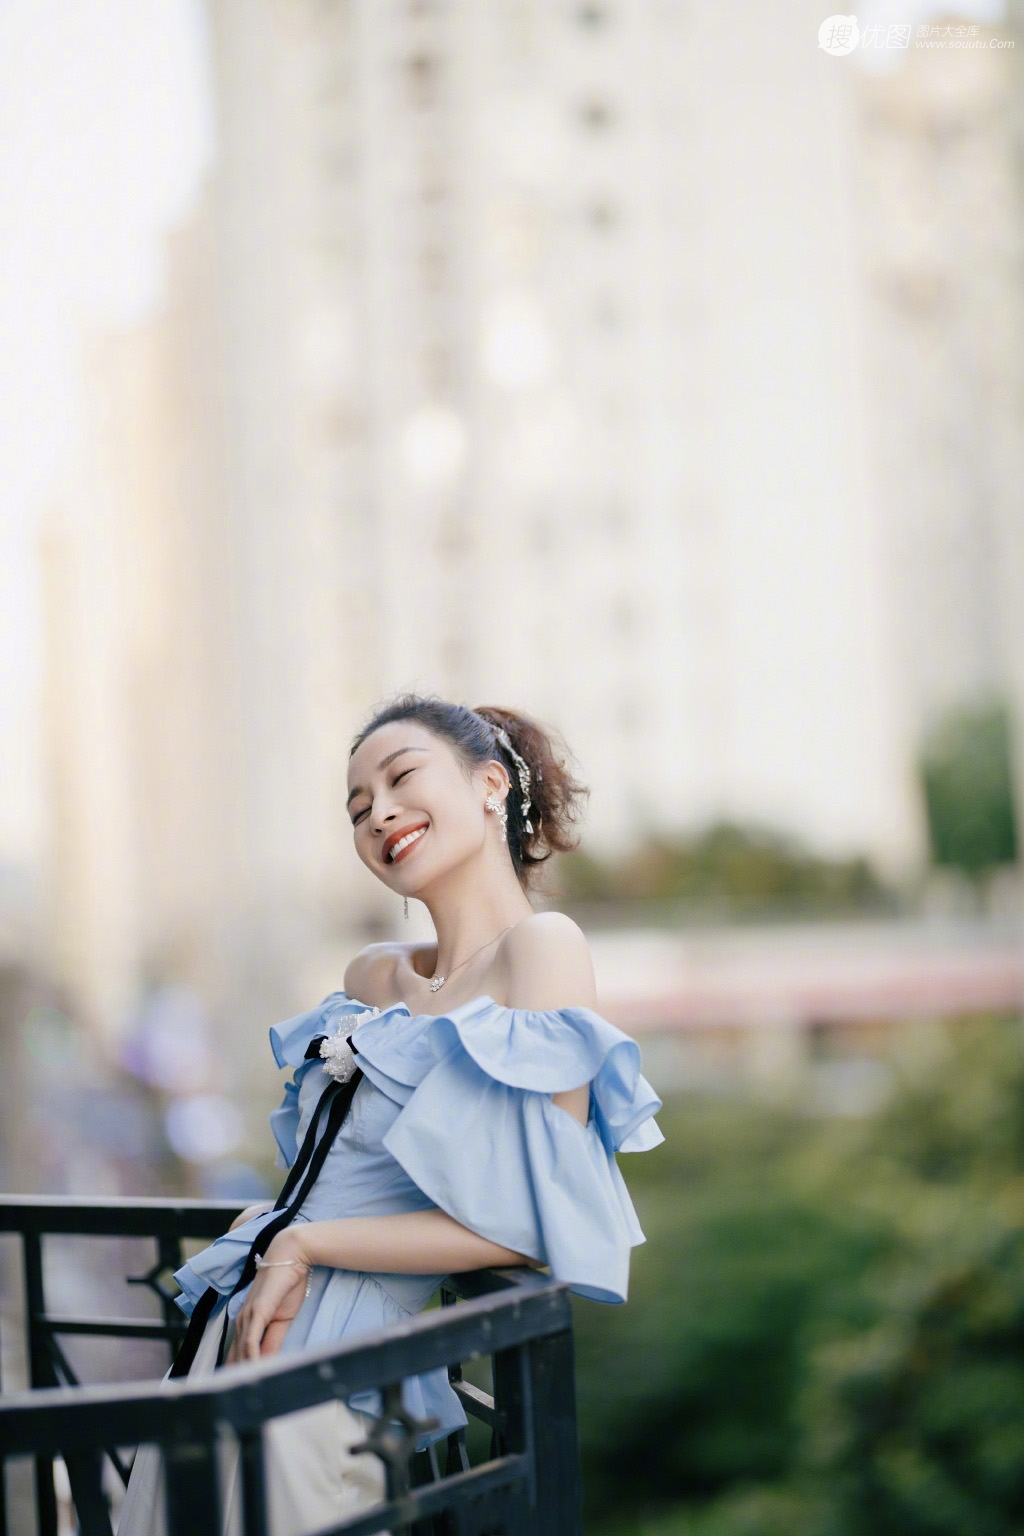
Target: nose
<point x="379" y="822"/>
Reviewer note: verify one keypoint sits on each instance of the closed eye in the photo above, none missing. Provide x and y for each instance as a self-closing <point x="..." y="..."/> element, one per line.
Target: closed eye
<point x="357" y="818"/>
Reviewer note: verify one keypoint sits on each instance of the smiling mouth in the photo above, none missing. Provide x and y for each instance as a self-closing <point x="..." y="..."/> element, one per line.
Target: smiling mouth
<point x="400" y="847"/>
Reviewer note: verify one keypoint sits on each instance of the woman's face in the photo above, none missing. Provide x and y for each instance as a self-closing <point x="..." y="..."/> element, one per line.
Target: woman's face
<point x="415" y="811"/>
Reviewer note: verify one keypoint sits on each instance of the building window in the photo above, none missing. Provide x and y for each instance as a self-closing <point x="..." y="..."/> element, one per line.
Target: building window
<point x="541" y="535"/>
<point x="433" y="264"/>
<point x="615" y="520"/>
<point x="422" y="71"/>
<point x="624" y="618"/>
<point x="602" y="215"/>
<point x="596" y="114"/>
<point x="607" y="313"/>
<point x="630" y="714"/>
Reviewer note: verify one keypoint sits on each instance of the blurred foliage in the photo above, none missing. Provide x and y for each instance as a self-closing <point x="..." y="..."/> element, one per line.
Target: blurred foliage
<point x="967" y="775"/>
<point x="736" y="870"/>
<point x="825" y="1335"/>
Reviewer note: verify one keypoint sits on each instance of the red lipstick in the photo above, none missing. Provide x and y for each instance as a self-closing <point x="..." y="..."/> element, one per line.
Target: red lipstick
<point x="396" y="837"/>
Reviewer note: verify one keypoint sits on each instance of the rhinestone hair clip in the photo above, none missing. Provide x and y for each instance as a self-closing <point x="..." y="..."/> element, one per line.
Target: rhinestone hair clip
<point x="522" y="768"/>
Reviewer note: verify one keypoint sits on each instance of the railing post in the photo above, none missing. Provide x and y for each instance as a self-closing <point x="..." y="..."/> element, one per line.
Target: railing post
<point x="457" y="1458"/>
<point x="3" y="1468"/>
<point x="169" y="1254"/>
<point x="556" y="1452"/>
<point x="40" y="1371"/>
<point x="513" y="1431"/>
<point x="85" y="1468"/>
<point x="192" y="1488"/>
<point x="254" y="1482"/>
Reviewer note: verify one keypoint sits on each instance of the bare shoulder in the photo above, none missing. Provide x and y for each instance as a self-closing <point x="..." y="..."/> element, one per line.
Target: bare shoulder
<point x="371" y="976"/>
<point x="548" y="964"/>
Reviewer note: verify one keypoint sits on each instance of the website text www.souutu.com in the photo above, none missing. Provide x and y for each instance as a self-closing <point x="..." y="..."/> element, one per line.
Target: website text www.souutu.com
<point x="963" y="42"/>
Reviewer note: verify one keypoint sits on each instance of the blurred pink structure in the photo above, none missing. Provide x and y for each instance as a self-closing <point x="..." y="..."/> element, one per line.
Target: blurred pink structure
<point x="845" y="974"/>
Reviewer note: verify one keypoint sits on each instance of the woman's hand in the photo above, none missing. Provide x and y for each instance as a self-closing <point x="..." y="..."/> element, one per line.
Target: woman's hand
<point x="275" y="1296"/>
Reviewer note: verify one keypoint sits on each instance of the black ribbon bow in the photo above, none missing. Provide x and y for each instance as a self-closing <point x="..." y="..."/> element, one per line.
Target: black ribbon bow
<point x="336" y="1100"/>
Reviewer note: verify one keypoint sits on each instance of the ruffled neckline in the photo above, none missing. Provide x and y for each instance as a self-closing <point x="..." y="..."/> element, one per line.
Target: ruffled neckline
<point x="541" y="1050"/>
<point x="289" y="1040"/>
<point x="484" y="997"/>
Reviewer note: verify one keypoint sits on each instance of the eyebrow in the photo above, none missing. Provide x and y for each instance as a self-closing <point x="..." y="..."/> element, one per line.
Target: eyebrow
<point x="359" y="790"/>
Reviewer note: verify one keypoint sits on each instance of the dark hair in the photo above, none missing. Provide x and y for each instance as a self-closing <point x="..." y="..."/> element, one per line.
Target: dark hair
<point x="557" y="796"/>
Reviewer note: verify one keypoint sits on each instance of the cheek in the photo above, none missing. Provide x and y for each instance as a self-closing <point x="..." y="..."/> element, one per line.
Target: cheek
<point x="364" y="844"/>
<point x="463" y="830"/>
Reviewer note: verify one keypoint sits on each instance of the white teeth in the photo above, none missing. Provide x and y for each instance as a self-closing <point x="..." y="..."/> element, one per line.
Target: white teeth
<point x="403" y="842"/>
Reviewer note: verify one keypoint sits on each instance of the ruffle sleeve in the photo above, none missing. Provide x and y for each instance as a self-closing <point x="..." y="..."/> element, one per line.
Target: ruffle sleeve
<point x="480" y="1135"/>
<point x="220" y="1265"/>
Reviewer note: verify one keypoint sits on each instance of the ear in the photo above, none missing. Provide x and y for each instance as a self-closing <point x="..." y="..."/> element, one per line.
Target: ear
<point x="494" y="779"/>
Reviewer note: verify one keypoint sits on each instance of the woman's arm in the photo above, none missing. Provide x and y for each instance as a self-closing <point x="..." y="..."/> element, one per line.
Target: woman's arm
<point x="413" y="1243"/>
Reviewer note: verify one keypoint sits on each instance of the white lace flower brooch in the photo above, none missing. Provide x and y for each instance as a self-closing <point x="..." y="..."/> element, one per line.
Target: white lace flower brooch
<point x="338" y="1057"/>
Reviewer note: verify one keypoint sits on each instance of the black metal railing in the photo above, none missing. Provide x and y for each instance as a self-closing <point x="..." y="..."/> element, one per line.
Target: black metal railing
<point x="529" y="1482"/>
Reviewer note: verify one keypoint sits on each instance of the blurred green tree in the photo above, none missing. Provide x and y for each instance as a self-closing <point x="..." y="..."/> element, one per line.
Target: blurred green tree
<point x="967" y="777"/>
<point x="826" y="1331"/>
<point x="737" y="870"/>
<point x="919" y="1419"/>
<point x="706" y="1359"/>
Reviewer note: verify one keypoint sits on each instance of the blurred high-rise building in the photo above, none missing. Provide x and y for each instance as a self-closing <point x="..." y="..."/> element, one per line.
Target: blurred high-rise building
<point x="551" y="312"/>
<point x="940" y="223"/>
<point x="544" y="354"/>
<point x="141" y="691"/>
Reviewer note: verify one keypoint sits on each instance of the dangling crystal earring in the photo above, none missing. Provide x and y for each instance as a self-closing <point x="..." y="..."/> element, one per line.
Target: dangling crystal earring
<point x="494" y="804"/>
<point x="405" y="904"/>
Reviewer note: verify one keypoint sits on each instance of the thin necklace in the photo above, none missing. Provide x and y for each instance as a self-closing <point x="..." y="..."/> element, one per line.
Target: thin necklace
<point x="437" y="982"/>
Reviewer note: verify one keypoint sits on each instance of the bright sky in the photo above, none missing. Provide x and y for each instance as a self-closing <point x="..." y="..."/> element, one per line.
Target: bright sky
<point x="106" y="129"/>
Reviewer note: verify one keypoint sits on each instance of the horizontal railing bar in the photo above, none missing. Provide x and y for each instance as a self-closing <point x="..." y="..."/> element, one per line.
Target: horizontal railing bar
<point x="124" y="1216"/>
<point x="247" y="1395"/>
<point x="113" y="1327"/>
<point x="479" y="1404"/>
<point x="484" y="1282"/>
<point x="431" y="1498"/>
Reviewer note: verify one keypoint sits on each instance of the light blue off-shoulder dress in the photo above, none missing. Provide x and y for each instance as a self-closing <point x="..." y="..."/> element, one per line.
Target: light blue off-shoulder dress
<point x="455" y="1111"/>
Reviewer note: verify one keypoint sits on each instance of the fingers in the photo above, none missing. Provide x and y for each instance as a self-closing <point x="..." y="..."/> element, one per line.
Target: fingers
<point x="237" y="1351"/>
<point x="265" y="1316"/>
<point x="252" y="1337"/>
<point x="232" y="1355"/>
<point x="274" y="1336"/>
<point x="249" y="1328"/>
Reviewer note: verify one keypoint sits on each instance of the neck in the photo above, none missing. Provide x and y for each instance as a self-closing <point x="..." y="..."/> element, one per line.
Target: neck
<point x="472" y="905"/>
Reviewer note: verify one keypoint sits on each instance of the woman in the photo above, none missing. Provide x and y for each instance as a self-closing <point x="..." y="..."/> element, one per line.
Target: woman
<point x="492" y="1100"/>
